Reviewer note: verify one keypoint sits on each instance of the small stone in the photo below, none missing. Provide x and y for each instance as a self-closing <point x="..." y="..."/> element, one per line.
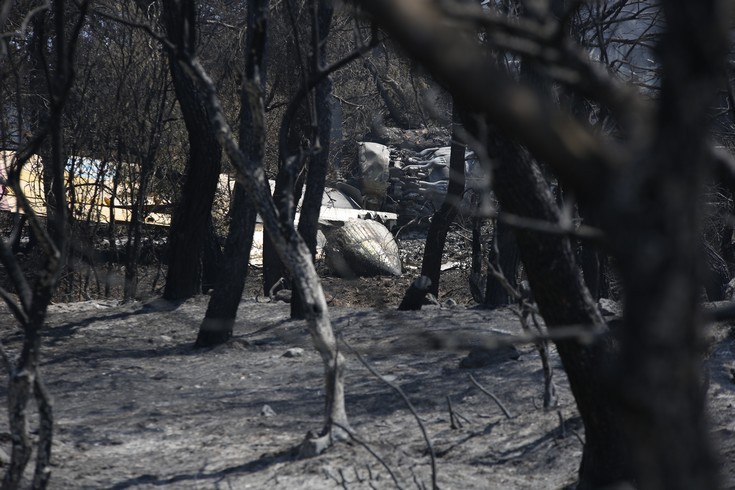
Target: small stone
<point x="294" y="352"/>
<point x="267" y="411"/>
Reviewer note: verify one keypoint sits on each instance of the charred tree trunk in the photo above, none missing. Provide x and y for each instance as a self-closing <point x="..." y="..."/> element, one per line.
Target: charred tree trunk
<point x="397" y="110"/>
<point x="189" y="222"/>
<point x="564" y="300"/>
<point x="476" y="279"/>
<point x="443" y="218"/>
<point x="16" y="233"/>
<point x="294" y="252"/>
<point x="132" y="248"/>
<point x="662" y="377"/>
<point x="147" y="167"/>
<point x="504" y="256"/>
<point x="296" y="128"/>
<point x="285" y="196"/>
<point x="648" y="189"/>
<point x="317" y="170"/>
<point x="219" y="319"/>
<point x="212" y="258"/>
<point x="30" y="308"/>
<point x="415" y="295"/>
<point x="593" y="270"/>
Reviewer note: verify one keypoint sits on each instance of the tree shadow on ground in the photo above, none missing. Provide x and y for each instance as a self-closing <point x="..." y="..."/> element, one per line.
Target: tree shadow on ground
<point x="102" y="353"/>
<point x="259" y="464"/>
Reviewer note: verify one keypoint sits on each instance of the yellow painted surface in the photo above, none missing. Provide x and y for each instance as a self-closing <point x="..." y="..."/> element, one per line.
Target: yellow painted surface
<point x="89" y="194"/>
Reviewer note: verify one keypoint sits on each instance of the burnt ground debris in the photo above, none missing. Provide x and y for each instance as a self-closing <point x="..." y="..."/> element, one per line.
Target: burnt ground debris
<point x="137" y="406"/>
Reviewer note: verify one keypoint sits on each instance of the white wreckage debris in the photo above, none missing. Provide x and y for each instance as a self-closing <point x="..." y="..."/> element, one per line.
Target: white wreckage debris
<point x="354" y="241"/>
<point x="362" y="248"/>
<point x="374" y="163"/>
<point x="411" y="184"/>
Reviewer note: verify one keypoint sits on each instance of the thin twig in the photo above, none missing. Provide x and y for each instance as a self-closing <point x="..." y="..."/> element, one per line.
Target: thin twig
<point x="495" y="398"/>
<point x="372" y="452"/>
<point x="458" y="425"/>
<point x="562" y="427"/>
<point x="410" y="406"/>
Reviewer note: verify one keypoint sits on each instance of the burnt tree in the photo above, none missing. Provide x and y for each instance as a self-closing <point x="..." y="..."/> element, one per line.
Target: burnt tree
<point x="219" y="319"/>
<point x="321" y="18"/>
<point x="447" y="213"/>
<point x="295" y="138"/>
<point x="648" y="190"/>
<point x="288" y="242"/>
<point x="189" y="222"/>
<point x="34" y="289"/>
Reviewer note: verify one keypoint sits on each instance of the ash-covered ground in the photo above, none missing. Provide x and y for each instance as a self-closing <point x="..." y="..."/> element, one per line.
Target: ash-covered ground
<point x="137" y="406"/>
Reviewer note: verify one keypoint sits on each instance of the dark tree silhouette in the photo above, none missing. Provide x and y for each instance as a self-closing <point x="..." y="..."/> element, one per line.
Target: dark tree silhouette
<point x="321" y="18"/>
<point x="189" y="223"/>
<point x="222" y="309"/>
<point x="29" y="304"/>
<point x="447" y="213"/>
<point x="648" y="190"/>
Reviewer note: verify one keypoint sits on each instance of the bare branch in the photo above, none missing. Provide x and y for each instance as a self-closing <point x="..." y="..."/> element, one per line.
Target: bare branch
<point x="582" y="158"/>
<point x="309" y="85"/>
<point x="19" y="312"/>
<point x="369" y="449"/>
<point x="20" y="33"/>
<point x="165" y="42"/>
<point x="494" y="398"/>
<point x="408" y="403"/>
<point x="583" y="232"/>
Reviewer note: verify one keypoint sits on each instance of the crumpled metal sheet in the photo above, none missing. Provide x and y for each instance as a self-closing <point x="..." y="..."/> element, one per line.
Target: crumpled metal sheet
<point x="362" y="248"/>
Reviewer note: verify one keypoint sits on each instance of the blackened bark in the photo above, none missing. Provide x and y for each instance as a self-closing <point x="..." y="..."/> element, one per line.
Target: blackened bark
<point x="219" y="320"/>
<point x="657" y="238"/>
<point x="592" y="270"/>
<point x="189" y="222"/>
<point x="317" y="171"/>
<point x="443" y="218"/>
<point x="212" y="258"/>
<point x="564" y="301"/>
<point x="284" y="195"/>
<point x="132" y="248"/>
<point x="31" y="311"/>
<point x="16" y="233"/>
<point x="398" y="114"/>
<point x="477" y="286"/>
<point x="415" y="294"/>
<point x="649" y="193"/>
<point x="505" y="256"/>
<point x="290" y="179"/>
